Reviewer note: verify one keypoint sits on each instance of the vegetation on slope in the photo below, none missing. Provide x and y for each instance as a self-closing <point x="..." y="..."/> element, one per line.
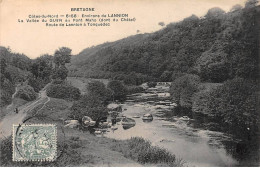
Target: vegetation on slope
<point x="217" y="47"/>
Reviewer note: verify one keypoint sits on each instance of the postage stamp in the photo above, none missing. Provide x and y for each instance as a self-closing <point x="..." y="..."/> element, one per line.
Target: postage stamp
<point x="34" y="142"/>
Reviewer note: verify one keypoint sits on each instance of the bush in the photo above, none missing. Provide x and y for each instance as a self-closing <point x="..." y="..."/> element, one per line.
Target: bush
<point x="151" y="84"/>
<point x="183" y="88"/>
<point x="134" y="89"/>
<point x="234" y="106"/>
<point x="37" y="83"/>
<point x="89" y="105"/>
<point x="7" y="89"/>
<point x="57" y="81"/>
<point x="63" y="91"/>
<point x="27" y="93"/>
<point x="118" y="89"/>
<point x="98" y="89"/>
<point x="5" y="98"/>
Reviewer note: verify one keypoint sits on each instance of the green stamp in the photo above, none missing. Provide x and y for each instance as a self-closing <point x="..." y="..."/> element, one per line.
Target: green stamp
<point x="35" y="142"/>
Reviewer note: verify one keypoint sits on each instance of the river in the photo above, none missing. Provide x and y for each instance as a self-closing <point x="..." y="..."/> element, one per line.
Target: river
<point x="197" y="147"/>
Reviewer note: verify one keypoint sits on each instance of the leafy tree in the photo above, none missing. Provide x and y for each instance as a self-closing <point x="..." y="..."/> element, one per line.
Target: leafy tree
<point x="98" y="89"/>
<point x="166" y="76"/>
<point x="183" y="88"/>
<point x="236" y="8"/>
<point x="60" y="73"/>
<point x="215" y="12"/>
<point x="26" y="93"/>
<point x="89" y="105"/>
<point x="151" y="84"/>
<point x="62" y="56"/>
<point x="119" y="91"/>
<point x="3" y="65"/>
<point x="251" y="3"/>
<point x="234" y="105"/>
<point x="161" y="24"/>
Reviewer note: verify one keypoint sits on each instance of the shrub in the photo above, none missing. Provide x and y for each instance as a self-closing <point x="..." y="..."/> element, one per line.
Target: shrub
<point x="151" y="84"/>
<point x="98" y="89"/>
<point x="37" y="83"/>
<point x="183" y="88"/>
<point x="89" y="105"/>
<point x="63" y="91"/>
<point x="118" y="90"/>
<point x="26" y="93"/>
<point x="7" y="89"/>
<point x="57" y="81"/>
<point x="134" y="89"/>
<point x="234" y="106"/>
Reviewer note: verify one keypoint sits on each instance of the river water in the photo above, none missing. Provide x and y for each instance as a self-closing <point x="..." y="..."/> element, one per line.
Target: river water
<point x="197" y="147"/>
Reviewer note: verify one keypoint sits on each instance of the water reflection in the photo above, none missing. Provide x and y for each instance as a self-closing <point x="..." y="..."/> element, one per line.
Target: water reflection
<point x="181" y="136"/>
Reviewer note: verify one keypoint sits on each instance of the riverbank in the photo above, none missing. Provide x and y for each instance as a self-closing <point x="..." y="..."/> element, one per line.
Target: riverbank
<point x="76" y="147"/>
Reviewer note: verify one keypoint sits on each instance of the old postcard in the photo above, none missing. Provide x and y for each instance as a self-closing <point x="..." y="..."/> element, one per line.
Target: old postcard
<point x="129" y="83"/>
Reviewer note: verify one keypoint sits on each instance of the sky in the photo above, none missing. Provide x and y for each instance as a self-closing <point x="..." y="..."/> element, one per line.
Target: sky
<point x="35" y="39"/>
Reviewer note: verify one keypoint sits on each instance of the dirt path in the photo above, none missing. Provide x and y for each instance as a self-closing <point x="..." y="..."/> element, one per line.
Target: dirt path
<point x="6" y="125"/>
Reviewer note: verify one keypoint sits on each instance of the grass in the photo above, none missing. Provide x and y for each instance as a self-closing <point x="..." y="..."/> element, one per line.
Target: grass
<point x="143" y="152"/>
<point x="81" y="82"/>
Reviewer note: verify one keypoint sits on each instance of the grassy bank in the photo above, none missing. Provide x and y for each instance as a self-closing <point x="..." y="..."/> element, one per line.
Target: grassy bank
<point x="143" y="152"/>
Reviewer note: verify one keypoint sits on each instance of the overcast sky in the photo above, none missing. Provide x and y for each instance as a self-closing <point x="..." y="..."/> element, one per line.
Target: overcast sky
<point x="36" y="39"/>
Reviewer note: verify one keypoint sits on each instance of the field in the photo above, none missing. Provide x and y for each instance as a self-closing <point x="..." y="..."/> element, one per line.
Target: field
<point x="81" y="82"/>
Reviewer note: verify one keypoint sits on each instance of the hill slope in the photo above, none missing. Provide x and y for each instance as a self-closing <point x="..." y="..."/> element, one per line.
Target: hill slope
<point x="217" y="47"/>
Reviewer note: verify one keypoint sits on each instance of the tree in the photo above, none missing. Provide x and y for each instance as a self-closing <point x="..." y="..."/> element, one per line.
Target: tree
<point x="234" y="106"/>
<point x="166" y="76"/>
<point x="119" y="91"/>
<point x="62" y="56"/>
<point x="251" y="3"/>
<point x="3" y="65"/>
<point x="60" y="73"/>
<point x="215" y="12"/>
<point x="183" y="88"/>
<point x="89" y="105"/>
<point x="236" y="8"/>
<point x="161" y="24"/>
<point x="98" y="89"/>
<point x="26" y="93"/>
<point x="151" y="84"/>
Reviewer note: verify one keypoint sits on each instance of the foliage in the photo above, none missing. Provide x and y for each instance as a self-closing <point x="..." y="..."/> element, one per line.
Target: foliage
<point x="234" y="105"/>
<point x="63" y="91"/>
<point x="41" y="69"/>
<point x="134" y="89"/>
<point x="62" y="56"/>
<point x="166" y="76"/>
<point x="60" y="73"/>
<point x="27" y="93"/>
<point x="143" y="152"/>
<point x="118" y="89"/>
<point x="183" y="88"/>
<point x="151" y="84"/>
<point x="89" y="105"/>
<point x="217" y="47"/>
<point x="98" y="89"/>
<point x="37" y="83"/>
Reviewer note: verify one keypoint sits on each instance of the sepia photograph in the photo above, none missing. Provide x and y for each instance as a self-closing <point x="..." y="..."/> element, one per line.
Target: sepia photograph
<point x="129" y="83"/>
